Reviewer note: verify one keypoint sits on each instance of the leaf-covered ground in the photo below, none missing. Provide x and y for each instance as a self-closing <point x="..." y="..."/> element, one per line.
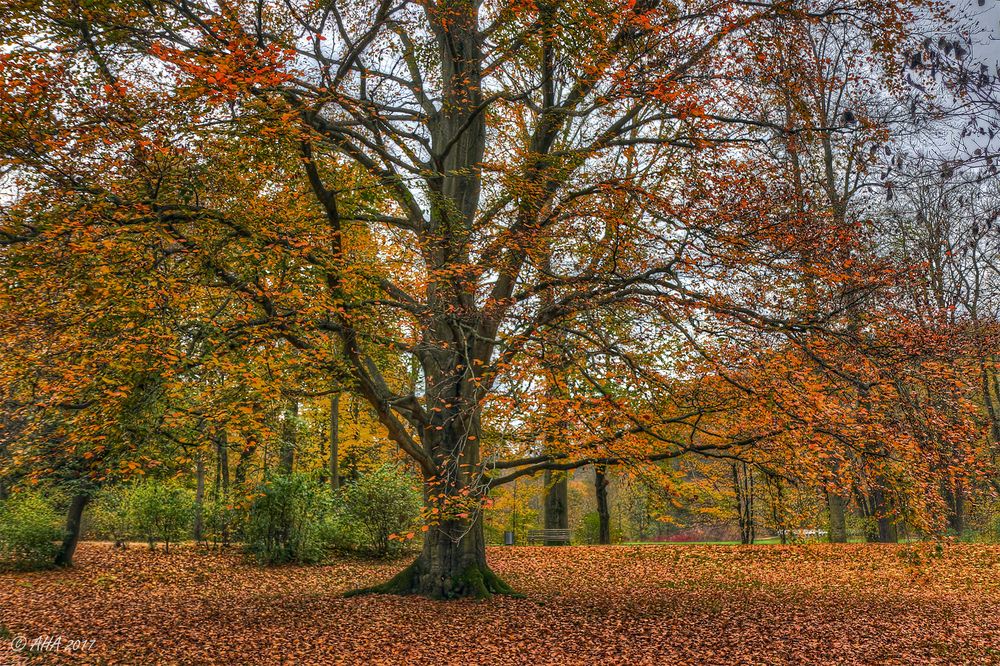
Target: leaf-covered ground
<point x="645" y="604"/>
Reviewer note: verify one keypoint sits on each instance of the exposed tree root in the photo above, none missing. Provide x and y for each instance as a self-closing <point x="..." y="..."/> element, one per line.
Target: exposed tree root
<point x="475" y="582"/>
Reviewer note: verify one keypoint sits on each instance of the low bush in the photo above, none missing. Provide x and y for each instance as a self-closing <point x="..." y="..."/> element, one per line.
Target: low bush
<point x="288" y="520"/>
<point x="221" y="521"/>
<point x="340" y="531"/>
<point x="30" y="531"/>
<point x="110" y="516"/>
<point x="382" y="503"/>
<point x="160" y="511"/>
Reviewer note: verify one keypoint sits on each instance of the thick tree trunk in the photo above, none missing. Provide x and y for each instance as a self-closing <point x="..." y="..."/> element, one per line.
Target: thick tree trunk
<point x="556" y="499"/>
<point x="451" y="565"/>
<point x="458" y="337"/>
<point x="601" y="484"/>
<point x="74" y="520"/>
<point x="199" y="497"/>
<point x="335" y="442"/>
<point x="887" y="532"/>
<point x="838" y="518"/>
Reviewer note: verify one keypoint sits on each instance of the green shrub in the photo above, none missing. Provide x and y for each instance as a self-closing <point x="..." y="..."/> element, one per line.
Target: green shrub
<point x="160" y="511"/>
<point x="30" y="531"/>
<point x="221" y="520"/>
<point x="110" y="515"/>
<point x="288" y="520"/>
<point x="340" y="531"/>
<point x="589" y="531"/>
<point x="382" y="503"/>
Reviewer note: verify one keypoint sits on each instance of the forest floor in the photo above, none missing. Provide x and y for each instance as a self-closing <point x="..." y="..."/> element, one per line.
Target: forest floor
<point x="646" y="604"/>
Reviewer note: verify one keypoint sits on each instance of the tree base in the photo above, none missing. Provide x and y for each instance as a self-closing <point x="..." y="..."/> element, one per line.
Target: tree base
<point x="474" y="582"/>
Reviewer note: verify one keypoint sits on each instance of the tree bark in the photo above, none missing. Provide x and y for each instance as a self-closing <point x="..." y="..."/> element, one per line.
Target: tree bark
<point x="556" y="499"/>
<point x="223" y="444"/>
<point x="875" y="508"/>
<point x="601" y="484"/>
<point x="4" y="491"/>
<point x="74" y="520"/>
<point x="838" y="517"/>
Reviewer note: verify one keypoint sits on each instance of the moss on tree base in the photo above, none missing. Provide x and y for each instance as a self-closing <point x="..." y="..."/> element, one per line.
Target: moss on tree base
<point x="475" y="582"/>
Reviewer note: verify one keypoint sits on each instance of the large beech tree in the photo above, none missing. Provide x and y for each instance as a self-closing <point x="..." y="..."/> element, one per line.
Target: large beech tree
<point x="474" y="186"/>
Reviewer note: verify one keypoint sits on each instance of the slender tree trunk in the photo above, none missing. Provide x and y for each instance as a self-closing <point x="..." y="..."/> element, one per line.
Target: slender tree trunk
<point x="222" y="478"/>
<point x="335" y="441"/>
<point x="289" y="437"/>
<point x="991" y="408"/>
<point x="601" y="484"/>
<point x="556" y="494"/>
<point x="223" y="447"/>
<point x="74" y="520"/>
<point x="743" y="484"/>
<point x="199" y="497"/>
<point x="8" y="430"/>
<point x="956" y="513"/>
<point x="325" y="469"/>
<point x="864" y="501"/>
<point x="556" y="500"/>
<point x="777" y="493"/>
<point x="4" y="491"/>
<point x="838" y="517"/>
<point x="954" y="498"/>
